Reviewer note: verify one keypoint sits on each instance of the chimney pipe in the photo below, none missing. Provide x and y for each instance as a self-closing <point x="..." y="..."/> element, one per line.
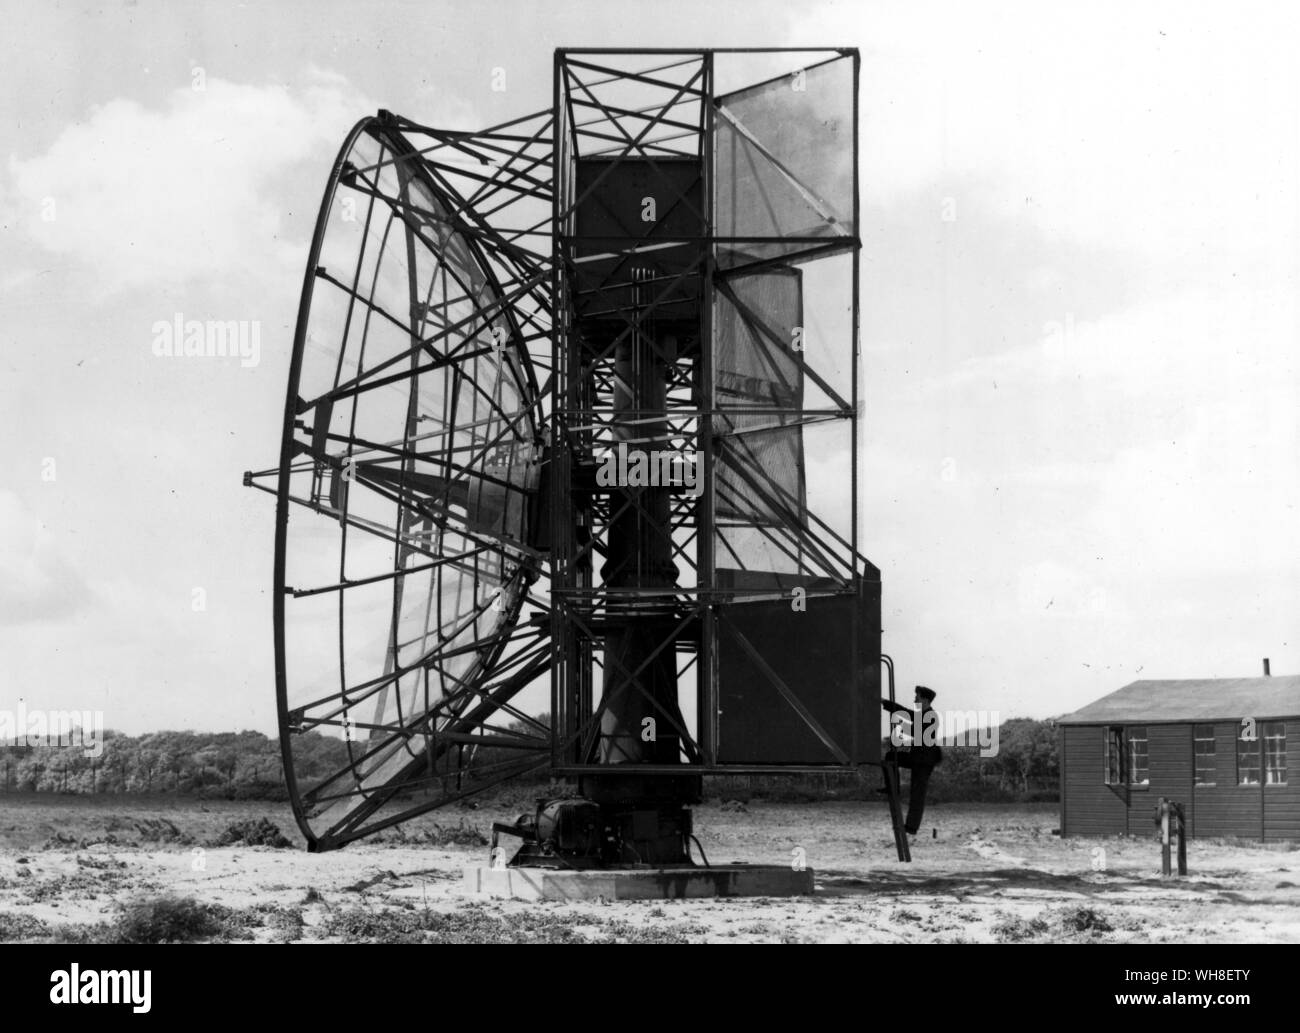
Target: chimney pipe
<point x="1267" y="673"/>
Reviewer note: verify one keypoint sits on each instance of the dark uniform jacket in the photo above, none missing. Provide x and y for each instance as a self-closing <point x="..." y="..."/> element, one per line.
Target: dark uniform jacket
<point x="919" y="754"/>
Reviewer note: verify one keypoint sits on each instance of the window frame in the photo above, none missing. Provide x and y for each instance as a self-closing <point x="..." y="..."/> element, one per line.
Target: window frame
<point x="1197" y="754"/>
<point x="1130" y="741"/>
<point x="1254" y="746"/>
<point x="1266" y="770"/>
<point x="1119" y="756"/>
<point x="1112" y="755"/>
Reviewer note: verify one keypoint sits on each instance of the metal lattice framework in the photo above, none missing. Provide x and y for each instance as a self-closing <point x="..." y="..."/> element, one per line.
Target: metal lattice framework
<point x="452" y="390"/>
<point x="674" y="122"/>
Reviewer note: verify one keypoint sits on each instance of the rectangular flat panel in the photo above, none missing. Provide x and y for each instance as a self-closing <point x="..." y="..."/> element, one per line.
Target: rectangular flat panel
<point x="788" y="692"/>
<point x="649" y="219"/>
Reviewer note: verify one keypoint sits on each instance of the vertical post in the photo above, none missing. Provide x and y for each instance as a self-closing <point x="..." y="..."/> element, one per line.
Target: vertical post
<point x="1164" y="836"/>
<point x="706" y="676"/>
<point x="855" y="421"/>
<point x="1182" y="838"/>
<point x="559" y="709"/>
<point x="856" y="573"/>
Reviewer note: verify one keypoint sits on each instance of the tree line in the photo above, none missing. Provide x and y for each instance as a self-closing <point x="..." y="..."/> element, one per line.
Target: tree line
<point x="247" y="765"/>
<point x="232" y="765"/>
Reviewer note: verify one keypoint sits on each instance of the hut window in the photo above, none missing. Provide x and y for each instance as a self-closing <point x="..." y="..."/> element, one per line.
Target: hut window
<point x="1203" y="736"/>
<point x="1274" y="752"/>
<point x="1247" y="755"/>
<point x="1125" y="756"/>
<point x="1113" y="753"/>
<point x="1137" y="757"/>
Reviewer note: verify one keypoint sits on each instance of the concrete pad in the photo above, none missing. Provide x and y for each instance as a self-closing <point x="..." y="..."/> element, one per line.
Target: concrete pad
<point x="725" y="880"/>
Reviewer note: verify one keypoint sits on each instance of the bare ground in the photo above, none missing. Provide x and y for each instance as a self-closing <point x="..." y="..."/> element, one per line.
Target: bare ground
<point x="981" y="873"/>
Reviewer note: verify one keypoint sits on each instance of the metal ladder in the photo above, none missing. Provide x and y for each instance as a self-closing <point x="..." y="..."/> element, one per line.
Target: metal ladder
<point x="889" y="769"/>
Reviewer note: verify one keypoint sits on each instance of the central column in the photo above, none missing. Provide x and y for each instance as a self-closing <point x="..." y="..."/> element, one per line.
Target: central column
<point x="636" y="307"/>
<point x="640" y="720"/>
<point x="640" y="678"/>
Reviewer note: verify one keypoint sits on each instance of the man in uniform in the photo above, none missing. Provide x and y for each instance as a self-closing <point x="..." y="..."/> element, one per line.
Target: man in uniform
<point x="923" y="756"/>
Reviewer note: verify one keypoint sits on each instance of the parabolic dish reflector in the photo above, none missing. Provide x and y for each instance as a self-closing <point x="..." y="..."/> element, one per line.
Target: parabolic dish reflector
<point x="407" y="470"/>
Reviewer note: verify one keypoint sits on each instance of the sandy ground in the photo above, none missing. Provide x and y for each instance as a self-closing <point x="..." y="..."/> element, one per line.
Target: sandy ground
<point x="980" y="873"/>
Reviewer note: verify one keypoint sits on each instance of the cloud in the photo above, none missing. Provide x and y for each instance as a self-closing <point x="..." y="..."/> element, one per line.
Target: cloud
<point x="1123" y="131"/>
<point x="1206" y="385"/>
<point x="36" y="582"/>
<point x="1103" y="495"/>
<point x="189" y="192"/>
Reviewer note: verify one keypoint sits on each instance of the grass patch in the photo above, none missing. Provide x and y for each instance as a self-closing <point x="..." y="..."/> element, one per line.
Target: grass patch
<point x="460" y="834"/>
<point x="475" y="924"/>
<point x="252" y="832"/>
<point x="173" y="919"/>
<point x="1083" y="920"/>
<point x="286" y="922"/>
<point x="1074" y="924"/>
<point x="85" y="881"/>
<point x="1015" y="929"/>
<point x="145" y="920"/>
<point x="17" y="926"/>
<point x="166" y="920"/>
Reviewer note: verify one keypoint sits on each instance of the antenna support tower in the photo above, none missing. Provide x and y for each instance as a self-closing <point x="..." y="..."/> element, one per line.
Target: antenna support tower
<point x="591" y="379"/>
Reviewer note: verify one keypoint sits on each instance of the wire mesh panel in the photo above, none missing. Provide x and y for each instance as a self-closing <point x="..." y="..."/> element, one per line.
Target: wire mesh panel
<point x="796" y="623"/>
<point x="758" y="383"/>
<point x="784" y="332"/>
<point x="786" y="160"/>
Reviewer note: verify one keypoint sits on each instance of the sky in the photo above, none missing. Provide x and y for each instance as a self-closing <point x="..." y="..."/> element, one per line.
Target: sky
<point x="1079" y="329"/>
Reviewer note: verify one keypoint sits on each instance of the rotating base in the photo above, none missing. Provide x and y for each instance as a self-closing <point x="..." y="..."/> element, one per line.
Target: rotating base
<point x="722" y="880"/>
